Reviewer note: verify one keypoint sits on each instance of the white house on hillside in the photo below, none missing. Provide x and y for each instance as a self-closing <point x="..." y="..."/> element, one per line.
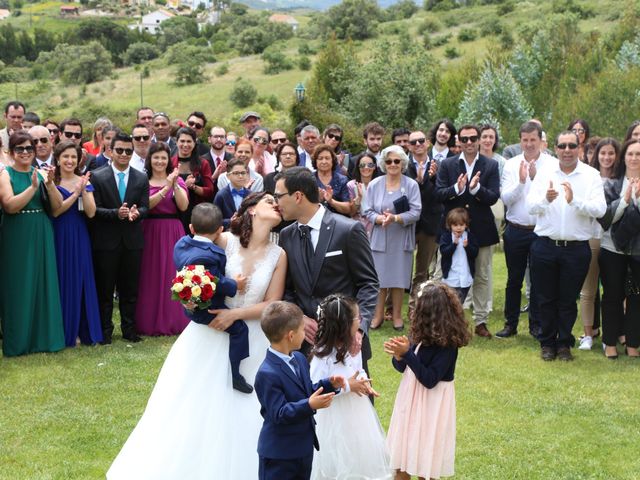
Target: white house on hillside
<point x="282" y="18"/>
<point x="151" y="21"/>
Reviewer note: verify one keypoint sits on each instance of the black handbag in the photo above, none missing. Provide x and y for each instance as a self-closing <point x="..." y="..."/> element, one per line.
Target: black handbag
<point x="401" y="205"/>
<point x="44" y="198"/>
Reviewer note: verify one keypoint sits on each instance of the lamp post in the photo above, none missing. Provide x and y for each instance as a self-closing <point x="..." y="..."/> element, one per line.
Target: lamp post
<point x="299" y="90"/>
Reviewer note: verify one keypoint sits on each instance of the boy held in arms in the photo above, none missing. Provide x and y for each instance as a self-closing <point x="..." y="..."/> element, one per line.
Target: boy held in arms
<point x="287" y="397"/>
<point x="206" y="226"/>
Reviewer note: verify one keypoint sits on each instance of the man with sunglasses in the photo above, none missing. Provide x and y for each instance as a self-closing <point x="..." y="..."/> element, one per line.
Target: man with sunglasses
<point x="44" y="146"/>
<point x="565" y="199"/>
<point x="472" y="181"/>
<point x="71" y="130"/>
<point x="141" y="136"/>
<point x="198" y="122"/>
<point x="122" y="200"/>
<point x="423" y="170"/>
<point x="278" y="137"/>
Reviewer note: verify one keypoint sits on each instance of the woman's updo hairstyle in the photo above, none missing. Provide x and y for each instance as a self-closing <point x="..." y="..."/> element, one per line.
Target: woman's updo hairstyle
<point x="242" y="221"/>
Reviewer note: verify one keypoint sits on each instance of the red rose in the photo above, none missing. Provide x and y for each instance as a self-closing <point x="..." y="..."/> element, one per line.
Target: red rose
<point x="177" y="280"/>
<point x="211" y="277"/>
<point x="185" y="294"/>
<point x="207" y="292"/>
<point x="190" y="267"/>
<point x="196" y="279"/>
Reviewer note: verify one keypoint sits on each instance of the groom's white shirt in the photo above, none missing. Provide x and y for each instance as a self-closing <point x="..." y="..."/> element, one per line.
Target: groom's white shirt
<point x="315" y="224"/>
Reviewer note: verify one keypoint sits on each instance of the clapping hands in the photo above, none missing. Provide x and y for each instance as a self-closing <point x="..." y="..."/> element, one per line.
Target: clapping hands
<point x="397" y="346"/>
<point x="361" y="385"/>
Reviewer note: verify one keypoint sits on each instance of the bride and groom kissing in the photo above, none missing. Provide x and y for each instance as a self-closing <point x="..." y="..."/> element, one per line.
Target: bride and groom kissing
<point x="195" y="425"/>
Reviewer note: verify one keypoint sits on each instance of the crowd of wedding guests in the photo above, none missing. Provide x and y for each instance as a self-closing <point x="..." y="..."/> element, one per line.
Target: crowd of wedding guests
<point x="86" y="222"/>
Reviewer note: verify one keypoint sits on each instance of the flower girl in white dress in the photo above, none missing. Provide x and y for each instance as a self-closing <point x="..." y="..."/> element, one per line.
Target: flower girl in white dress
<point x="352" y="443"/>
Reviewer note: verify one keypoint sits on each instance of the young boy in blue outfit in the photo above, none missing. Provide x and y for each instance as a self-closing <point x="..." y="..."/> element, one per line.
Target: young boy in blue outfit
<point x="287" y="397"/>
<point x="206" y="226"/>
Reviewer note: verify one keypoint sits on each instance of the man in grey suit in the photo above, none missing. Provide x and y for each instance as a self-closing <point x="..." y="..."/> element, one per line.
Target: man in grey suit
<point x="326" y="253"/>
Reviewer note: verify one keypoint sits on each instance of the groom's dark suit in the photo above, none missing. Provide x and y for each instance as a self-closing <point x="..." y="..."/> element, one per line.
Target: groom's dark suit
<point x="117" y="246"/>
<point x="342" y="263"/>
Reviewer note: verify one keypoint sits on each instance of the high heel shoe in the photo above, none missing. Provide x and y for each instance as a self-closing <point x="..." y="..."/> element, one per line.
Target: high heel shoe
<point x="610" y="357"/>
<point x="374" y="326"/>
<point x="626" y="352"/>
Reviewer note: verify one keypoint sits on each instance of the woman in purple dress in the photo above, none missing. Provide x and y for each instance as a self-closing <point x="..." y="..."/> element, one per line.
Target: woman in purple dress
<point x="78" y="297"/>
<point x="156" y="313"/>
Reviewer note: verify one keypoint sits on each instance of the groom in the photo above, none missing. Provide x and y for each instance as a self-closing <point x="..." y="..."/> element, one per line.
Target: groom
<point x="326" y="253"/>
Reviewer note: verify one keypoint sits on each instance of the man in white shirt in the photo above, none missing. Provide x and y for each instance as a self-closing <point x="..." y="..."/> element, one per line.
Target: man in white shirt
<point x="44" y="146"/>
<point x="517" y="177"/>
<point x="13" y="116"/>
<point x="565" y="201"/>
<point x="141" y="136"/>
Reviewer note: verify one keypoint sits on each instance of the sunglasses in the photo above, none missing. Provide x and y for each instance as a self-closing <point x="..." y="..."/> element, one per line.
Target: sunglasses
<point x="73" y="134"/>
<point x="420" y="141"/>
<point x="471" y="139"/>
<point x="123" y="151"/>
<point x="43" y="140"/>
<point x="260" y="140"/>
<point x="366" y="165"/>
<point x="53" y="131"/>
<point x="563" y="146"/>
<point x="141" y="138"/>
<point x="27" y="149"/>
<point x="276" y="141"/>
<point x="335" y="137"/>
<point x="579" y="130"/>
<point x="231" y="143"/>
<point x="395" y="161"/>
<point x="196" y="125"/>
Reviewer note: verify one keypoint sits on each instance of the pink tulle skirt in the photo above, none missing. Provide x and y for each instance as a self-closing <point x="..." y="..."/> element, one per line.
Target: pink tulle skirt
<point x="422" y="432"/>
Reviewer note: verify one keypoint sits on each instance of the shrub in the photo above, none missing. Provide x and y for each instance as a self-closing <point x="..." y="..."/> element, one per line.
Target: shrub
<point x="451" y="21"/>
<point x="451" y="53"/>
<point x="304" y="63"/>
<point x="222" y="69"/>
<point x="276" y="61"/>
<point x="429" y="25"/>
<point x="243" y="93"/>
<point x="467" y="35"/>
<point x="506" y="8"/>
<point x="189" y="72"/>
<point x="305" y="49"/>
<point x="140" y="52"/>
<point x="441" y="40"/>
<point x="491" y="26"/>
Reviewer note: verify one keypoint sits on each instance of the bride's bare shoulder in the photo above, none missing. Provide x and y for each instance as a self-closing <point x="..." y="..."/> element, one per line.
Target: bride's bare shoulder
<point x="223" y="239"/>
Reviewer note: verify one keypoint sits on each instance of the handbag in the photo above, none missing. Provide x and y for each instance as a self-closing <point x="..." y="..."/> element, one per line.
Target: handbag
<point x="44" y="198"/>
<point x="401" y="205"/>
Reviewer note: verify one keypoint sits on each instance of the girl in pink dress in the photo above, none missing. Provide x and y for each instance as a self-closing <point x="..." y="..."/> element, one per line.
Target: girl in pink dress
<point x="422" y="431"/>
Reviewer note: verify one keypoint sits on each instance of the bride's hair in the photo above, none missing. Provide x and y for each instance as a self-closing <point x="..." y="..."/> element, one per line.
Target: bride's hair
<point x="242" y="221"/>
<point x="335" y="318"/>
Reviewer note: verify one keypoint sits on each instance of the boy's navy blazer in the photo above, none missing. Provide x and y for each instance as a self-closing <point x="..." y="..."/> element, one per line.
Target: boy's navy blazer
<point x="224" y="201"/>
<point x="288" y="430"/>
<point x="447" y="248"/>
<point x="194" y="252"/>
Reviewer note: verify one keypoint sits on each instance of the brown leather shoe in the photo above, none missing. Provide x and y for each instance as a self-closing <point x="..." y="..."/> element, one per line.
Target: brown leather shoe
<point x="482" y="331"/>
<point x="548" y="354"/>
<point x="564" y="354"/>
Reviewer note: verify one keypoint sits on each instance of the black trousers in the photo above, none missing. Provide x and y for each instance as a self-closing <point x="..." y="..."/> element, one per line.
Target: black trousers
<point x="615" y="320"/>
<point x="120" y="267"/>
<point x="557" y="274"/>
<point x="517" y="247"/>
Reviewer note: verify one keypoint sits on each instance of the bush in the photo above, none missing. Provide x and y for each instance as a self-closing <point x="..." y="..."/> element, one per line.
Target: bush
<point x="276" y="61"/>
<point x="506" y="8"/>
<point x="76" y="64"/>
<point x="491" y="26"/>
<point x="441" y="40"/>
<point x="177" y="53"/>
<point x="401" y="10"/>
<point x="355" y="19"/>
<point x="467" y="35"/>
<point x="451" y="53"/>
<point x="304" y="63"/>
<point x="222" y="69"/>
<point x="426" y="41"/>
<point x="243" y="93"/>
<point x="451" y="21"/>
<point x="273" y="101"/>
<point x="305" y="49"/>
<point x="140" y="52"/>
<point x="429" y="25"/>
<point x="189" y="72"/>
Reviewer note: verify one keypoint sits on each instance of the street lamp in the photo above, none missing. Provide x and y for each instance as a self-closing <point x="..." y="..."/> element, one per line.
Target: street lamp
<point x="299" y="90"/>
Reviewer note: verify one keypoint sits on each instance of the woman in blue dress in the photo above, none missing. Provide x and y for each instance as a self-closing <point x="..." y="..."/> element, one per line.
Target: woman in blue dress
<point x="80" y="313"/>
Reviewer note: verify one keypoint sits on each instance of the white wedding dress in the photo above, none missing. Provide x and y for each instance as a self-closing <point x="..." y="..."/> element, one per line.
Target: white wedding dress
<point x="195" y="426"/>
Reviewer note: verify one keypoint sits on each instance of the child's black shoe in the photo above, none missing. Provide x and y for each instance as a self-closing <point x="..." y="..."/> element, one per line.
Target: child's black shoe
<point x="240" y="384"/>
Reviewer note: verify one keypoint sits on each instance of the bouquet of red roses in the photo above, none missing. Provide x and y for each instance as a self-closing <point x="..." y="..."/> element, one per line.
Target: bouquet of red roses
<point x="193" y="287"/>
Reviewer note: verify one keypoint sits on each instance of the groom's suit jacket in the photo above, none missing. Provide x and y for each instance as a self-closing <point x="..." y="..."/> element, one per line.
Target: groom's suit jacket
<point x="342" y="263"/>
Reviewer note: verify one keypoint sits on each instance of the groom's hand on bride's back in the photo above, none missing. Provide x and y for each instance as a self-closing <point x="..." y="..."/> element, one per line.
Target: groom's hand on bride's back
<point x="310" y="329"/>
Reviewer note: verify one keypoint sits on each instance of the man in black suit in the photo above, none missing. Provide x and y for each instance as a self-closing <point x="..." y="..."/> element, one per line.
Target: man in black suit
<point x="472" y="181"/>
<point x="326" y="253"/>
<point x="122" y="200"/>
<point x="217" y="156"/>
<point x="44" y="146"/>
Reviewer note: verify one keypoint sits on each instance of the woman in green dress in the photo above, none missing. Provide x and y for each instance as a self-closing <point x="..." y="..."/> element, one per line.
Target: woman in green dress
<point x="30" y="299"/>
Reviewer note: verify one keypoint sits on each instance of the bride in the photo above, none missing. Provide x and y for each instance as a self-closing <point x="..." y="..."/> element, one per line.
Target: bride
<point x="195" y="425"/>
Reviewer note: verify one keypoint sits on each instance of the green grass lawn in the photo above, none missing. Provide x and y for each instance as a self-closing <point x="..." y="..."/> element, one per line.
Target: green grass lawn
<point x="66" y="415"/>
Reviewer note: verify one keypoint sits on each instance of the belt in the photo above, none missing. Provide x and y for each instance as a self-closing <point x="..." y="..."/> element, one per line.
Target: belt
<point x="162" y="216"/>
<point x="32" y="210"/>
<point x="565" y="243"/>
<point x="529" y="228"/>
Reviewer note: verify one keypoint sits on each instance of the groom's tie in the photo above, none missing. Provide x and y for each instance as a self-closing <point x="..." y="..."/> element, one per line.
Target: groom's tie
<point x="307" y="246"/>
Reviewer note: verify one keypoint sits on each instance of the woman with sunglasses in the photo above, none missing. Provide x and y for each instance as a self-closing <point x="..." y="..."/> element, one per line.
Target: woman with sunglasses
<point x="365" y="172"/>
<point x="78" y="294"/>
<point x="332" y="184"/>
<point x="156" y="313"/>
<point x="195" y="172"/>
<point x="29" y="297"/>
<point x="393" y="206"/>
<point x="230" y="144"/>
<point x="262" y="161"/>
<point x="581" y="128"/>
<point x="333" y="136"/>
